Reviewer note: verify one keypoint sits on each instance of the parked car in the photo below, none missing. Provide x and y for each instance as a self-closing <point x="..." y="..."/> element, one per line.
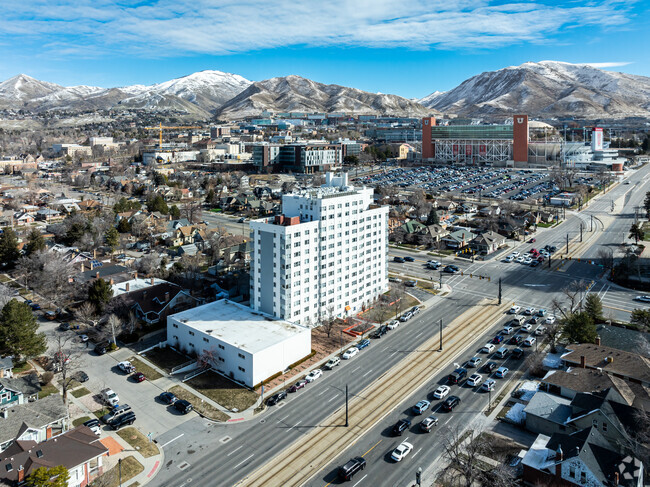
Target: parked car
<point x="109" y="397"/>
<point x="183" y="406"/>
<point x="441" y="392"/>
<point x="428" y="423"/>
<point x="540" y="330"/>
<point x="168" y="397"/>
<point x="392" y="325"/>
<point x="347" y="471"/>
<point x="298" y="385"/>
<point x="401" y="451"/>
<point x="474" y="362"/>
<point x="125" y="419"/>
<point x="101" y="348"/>
<point x="421" y="407"/>
<point x="115" y="412"/>
<point x="126" y="367"/>
<point x="313" y="375"/>
<point x="474" y="380"/>
<point x="349" y="353"/>
<point x="94" y="425"/>
<point x="550" y="320"/>
<point x="333" y="362"/>
<point x="276" y="398"/>
<point x="488" y="385"/>
<point x="65" y="326"/>
<point x="541" y="312"/>
<point x="401" y="426"/>
<point x="380" y="332"/>
<point x="502" y="372"/>
<point x="83" y="338"/>
<point x="80" y="376"/>
<point x="363" y="344"/>
<point x="450" y="403"/>
<point x="139" y="377"/>
<point x="415" y="310"/>
<point x="406" y="316"/>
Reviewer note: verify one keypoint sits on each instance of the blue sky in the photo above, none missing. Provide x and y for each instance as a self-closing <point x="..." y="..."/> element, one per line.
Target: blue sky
<point x="405" y="47"/>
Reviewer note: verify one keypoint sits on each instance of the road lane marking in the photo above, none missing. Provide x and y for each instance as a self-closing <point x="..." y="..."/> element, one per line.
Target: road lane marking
<point x="173" y="439"/>
<point x="416" y="453"/>
<point x="357" y="368"/>
<point x="284" y="417"/>
<point x="322" y="393"/>
<point x="360" y="480"/>
<point x="296" y="424"/>
<point x="232" y="452"/>
<point x="371" y="448"/>
<point x="419" y="334"/>
<point x="243" y="461"/>
<point x="367" y="373"/>
<point x="332" y="399"/>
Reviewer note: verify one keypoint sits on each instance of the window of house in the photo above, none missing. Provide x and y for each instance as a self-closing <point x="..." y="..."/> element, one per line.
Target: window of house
<point x="242" y="369"/>
<point x="583" y="477"/>
<point x="604" y="426"/>
<point x="595" y="423"/>
<point x="222" y="347"/>
<point x="205" y="340"/>
<point x="174" y="325"/>
<point x="572" y="471"/>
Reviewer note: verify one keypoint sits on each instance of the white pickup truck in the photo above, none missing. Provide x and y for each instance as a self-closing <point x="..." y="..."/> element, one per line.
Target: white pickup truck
<point x="110" y="397"/>
<point x="126" y="367"/>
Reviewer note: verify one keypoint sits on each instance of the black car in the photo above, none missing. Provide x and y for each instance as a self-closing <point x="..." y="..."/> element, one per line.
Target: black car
<point x="490" y="366"/>
<point x="401" y="426"/>
<point x="516" y="340"/>
<point x="409" y="259"/>
<point x="450" y="403"/>
<point x="517" y="353"/>
<point x="127" y="418"/>
<point x="399" y="259"/>
<point x="451" y="269"/>
<point x="81" y="376"/>
<point x="411" y="283"/>
<point x="183" y="406"/>
<point x="101" y="348"/>
<point x="276" y="398"/>
<point x="457" y="375"/>
<point x="380" y="332"/>
<point x="168" y="397"/>
<point x="35" y="306"/>
<point x="64" y="326"/>
<point x="347" y="471"/>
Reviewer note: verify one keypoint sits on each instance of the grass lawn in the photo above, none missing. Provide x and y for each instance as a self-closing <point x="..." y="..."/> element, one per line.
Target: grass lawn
<point x="20" y="368"/>
<point x="166" y="358"/>
<point x="201" y="407"/>
<point x="101" y="412"/>
<point x="81" y="420"/>
<point x="80" y="392"/>
<point x="4" y="278"/>
<point x="149" y="372"/>
<point x="545" y="225"/>
<point x="138" y="441"/>
<point x="224" y="392"/>
<point x="130" y="468"/>
<point x="47" y="391"/>
<point x="646" y="231"/>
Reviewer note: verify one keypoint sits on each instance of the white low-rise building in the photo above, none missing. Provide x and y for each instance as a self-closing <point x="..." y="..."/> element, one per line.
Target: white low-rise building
<point x="248" y="346"/>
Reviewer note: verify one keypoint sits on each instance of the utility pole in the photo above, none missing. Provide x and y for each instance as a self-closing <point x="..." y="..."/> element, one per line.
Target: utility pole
<point x="591" y="228"/>
<point x="500" y="295"/>
<point x="581" y="232"/>
<point x="346" y="406"/>
<point x="418" y="476"/>
<point x="441" y="334"/>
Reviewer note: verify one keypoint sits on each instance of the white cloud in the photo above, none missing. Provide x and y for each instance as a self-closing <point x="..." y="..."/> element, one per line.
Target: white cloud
<point x="608" y="65"/>
<point x="166" y="27"/>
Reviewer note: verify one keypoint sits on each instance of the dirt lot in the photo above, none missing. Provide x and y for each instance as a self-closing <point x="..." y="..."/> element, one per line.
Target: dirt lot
<point x="225" y="392"/>
<point x="165" y="358"/>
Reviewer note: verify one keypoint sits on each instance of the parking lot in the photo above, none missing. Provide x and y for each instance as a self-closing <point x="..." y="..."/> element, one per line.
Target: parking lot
<point x="498" y="183"/>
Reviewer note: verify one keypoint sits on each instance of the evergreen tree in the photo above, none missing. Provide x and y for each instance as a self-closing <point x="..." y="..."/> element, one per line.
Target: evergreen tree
<point x="8" y="248"/>
<point x="157" y="203"/>
<point x="112" y="238"/>
<point x="126" y="205"/>
<point x="74" y="233"/>
<point x="18" y="331"/>
<point x="124" y="226"/>
<point x="636" y="233"/>
<point x="580" y="328"/>
<point x="209" y="198"/>
<point x="175" y="212"/>
<point x="646" y="203"/>
<point x="641" y="318"/>
<point x="594" y="307"/>
<point x="35" y="242"/>
<point x="49" y="477"/>
<point x="432" y="218"/>
<point x="99" y="293"/>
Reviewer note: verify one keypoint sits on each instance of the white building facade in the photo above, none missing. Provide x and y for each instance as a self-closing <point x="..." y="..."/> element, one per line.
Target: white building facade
<point x="326" y="255"/>
<point x="245" y="345"/>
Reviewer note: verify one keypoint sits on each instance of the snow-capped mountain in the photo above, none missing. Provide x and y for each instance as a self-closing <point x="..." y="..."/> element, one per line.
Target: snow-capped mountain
<point x="198" y="94"/>
<point x="429" y="100"/>
<point x="548" y="88"/>
<point x="297" y="94"/>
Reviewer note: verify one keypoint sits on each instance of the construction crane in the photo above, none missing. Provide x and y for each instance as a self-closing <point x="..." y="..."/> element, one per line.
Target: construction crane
<point x="162" y="127"/>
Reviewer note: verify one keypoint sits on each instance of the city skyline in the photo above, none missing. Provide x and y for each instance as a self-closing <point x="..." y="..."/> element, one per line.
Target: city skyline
<point x="421" y="50"/>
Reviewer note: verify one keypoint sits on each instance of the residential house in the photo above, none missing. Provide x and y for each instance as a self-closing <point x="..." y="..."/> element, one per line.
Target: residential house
<point x="89" y="206"/>
<point x="547" y="413"/>
<point x="468" y="208"/>
<point x="152" y="299"/>
<point x="490" y="210"/>
<point x="437" y="232"/>
<point x="6" y="367"/>
<point x="458" y="239"/>
<point x="19" y="390"/>
<point x="48" y="215"/>
<point x="21" y="218"/>
<point x="487" y="242"/>
<point x="79" y="450"/>
<point x="447" y="205"/>
<point x="582" y="458"/>
<point x="33" y="421"/>
<point x="111" y="271"/>
<point x="631" y="367"/>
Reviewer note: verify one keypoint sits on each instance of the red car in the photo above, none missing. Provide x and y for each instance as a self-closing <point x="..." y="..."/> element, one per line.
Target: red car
<point x="532" y="240"/>
<point x="298" y="385"/>
<point x="139" y="377"/>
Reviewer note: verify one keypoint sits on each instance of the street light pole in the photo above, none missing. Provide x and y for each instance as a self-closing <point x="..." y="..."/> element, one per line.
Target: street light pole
<point x="500" y="291"/>
<point x="581" y="232"/>
<point x="119" y="464"/>
<point x="346" y="406"/>
<point x="441" y="334"/>
<point x="567" y="243"/>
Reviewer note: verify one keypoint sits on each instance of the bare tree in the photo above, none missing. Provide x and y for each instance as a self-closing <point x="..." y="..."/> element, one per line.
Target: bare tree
<point x="130" y="322"/>
<point x="328" y="321"/>
<point x="606" y="258"/>
<point x="86" y="313"/>
<point x="6" y="294"/>
<point x="48" y="274"/>
<point x="192" y="211"/>
<point x="67" y="362"/>
<point x="463" y="452"/>
<point x="114" y="327"/>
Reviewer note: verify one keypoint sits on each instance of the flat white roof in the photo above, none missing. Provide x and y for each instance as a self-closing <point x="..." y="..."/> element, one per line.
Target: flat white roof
<point x="135" y="285"/>
<point x="238" y="325"/>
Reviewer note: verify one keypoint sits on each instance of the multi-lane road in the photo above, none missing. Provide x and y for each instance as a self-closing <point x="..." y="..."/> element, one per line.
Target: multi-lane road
<point x="200" y="453"/>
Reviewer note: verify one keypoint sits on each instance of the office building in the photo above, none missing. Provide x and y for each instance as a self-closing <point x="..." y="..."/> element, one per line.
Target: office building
<point x="325" y="255"/>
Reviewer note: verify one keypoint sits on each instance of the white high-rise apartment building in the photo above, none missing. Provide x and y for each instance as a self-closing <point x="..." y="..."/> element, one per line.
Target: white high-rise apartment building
<point x="327" y="254"/>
